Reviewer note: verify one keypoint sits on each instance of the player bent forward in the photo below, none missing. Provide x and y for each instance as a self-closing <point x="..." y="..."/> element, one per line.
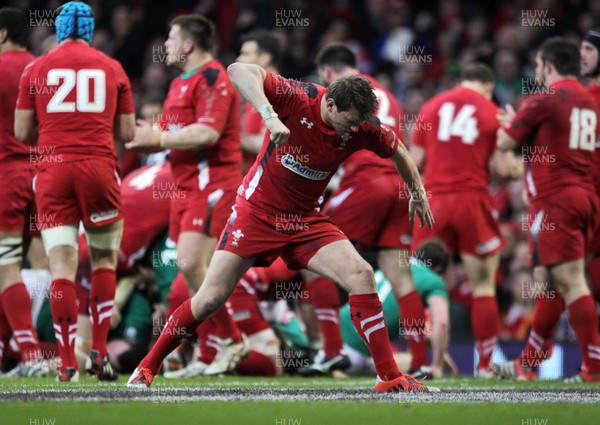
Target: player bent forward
<point x="324" y="126"/>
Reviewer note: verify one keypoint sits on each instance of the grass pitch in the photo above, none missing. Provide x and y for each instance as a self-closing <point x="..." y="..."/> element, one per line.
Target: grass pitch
<point x="295" y="401"/>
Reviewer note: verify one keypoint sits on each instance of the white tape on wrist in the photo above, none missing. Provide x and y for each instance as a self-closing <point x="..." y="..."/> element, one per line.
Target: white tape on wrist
<point x="267" y="112"/>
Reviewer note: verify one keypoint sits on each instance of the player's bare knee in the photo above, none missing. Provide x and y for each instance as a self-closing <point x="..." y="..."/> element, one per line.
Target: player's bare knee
<point x="193" y="272"/>
<point x="103" y="258"/>
<point x="566" y="278"/>
<point x="444" y="324"/>
<point x="104" y="244"/>
<point x="189" y="264"/>
<point x="205" y="307"/>
<point x="360" y="279"/>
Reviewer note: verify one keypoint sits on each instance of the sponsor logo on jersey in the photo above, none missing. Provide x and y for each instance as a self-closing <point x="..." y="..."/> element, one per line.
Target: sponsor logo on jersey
<point x="236" y="237"/>
<point x="291" y="164"/>
<point x="104" y="215"/>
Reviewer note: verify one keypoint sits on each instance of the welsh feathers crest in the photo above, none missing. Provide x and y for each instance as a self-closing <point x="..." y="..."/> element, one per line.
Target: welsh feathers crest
<point x="236" y="237"/>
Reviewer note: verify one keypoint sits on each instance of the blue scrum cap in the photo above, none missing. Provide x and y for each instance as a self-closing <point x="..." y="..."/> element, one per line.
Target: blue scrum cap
<point x="75" y="20"/>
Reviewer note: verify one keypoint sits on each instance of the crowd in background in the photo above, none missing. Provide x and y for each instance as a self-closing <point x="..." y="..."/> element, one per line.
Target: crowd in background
<point x="415" y="49"/>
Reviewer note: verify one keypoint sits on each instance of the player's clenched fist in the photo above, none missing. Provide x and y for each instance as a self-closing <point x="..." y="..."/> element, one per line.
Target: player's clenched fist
<point x="279" y="132"/>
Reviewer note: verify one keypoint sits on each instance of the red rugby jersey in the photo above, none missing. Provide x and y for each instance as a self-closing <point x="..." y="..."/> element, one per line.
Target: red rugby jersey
<point x="292" y="178"/>
<point x="457" y="129"/>
<point x="594" y="90"/>
<point x="12" y="64"/>
<point x="558" y="131"/>
<point x="205" y="96"/>
<point x="76" y="92"/>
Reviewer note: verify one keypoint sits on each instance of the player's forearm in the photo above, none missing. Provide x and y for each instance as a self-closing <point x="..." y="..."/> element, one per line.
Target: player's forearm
<point x="409" y="172"/>
<point x="417" y="153"/>
<point x="440" y="329"/>
<point x="252" y="143"/>
<point x="248" y="80"/>
<point x="439" y="344"/>
<point x="504" y="141"/>
<point x="25" y="125"/>
<point x="194" y="136"/>
<point x="124" y="127"/>
<point x="508" y="166"/>
<point x="123" y="292"/>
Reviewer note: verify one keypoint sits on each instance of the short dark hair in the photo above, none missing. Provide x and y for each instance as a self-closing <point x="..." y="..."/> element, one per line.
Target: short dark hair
<point x="336" y="55"/>
<point x="434" y="254"/>
<point x="477" y="72"/>
<point x="563" y="54"/>
<point x="266" y="42"/>
<point x="15" y="22"/>
<point x="198" y="28"/>
<point x="356" y="91"/>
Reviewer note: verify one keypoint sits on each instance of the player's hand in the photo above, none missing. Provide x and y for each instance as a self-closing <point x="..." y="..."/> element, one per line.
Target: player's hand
<point x="144" y="140"/>
<point x="422" y="210"/>
<point x="279" y="132"/>
<point x="505" y="116"/>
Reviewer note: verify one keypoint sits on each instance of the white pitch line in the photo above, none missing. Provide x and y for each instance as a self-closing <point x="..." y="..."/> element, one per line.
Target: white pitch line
<point x="185" y="395"/>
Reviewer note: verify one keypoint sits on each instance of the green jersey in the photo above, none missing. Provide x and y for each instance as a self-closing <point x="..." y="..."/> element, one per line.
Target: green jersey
<point x="164" y="263"/>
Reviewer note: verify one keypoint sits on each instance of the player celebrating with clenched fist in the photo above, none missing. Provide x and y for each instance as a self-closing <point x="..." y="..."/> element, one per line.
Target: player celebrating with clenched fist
<point x="315" y="129"/>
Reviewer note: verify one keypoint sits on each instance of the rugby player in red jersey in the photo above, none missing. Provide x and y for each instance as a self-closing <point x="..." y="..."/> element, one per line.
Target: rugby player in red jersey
<point x="564" y="210"/>
<point x="148" y="188"/>
<point x="327" y="125"/>
<point x="17" y="209"/>
<point x="590" y="67"/>
<point x="200" y="124"/>
<point x="371" y="208"/>
<point x="76" y="97"/>
<point x="454" y="142"/>
<point x="261" y="48"/>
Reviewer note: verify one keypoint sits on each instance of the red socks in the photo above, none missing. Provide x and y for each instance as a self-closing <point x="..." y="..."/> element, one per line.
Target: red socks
<point x="208" y="344"/>
<point x="178" y="294"/>
<point x="179" y="327"/>
<point x="412" y="313"/>
<point x="326" y="302"/>
<point x="5" y="332"/>
<point x="584" y="320"/>
<point x="63" y="304"/>
<point x="17" y="308"/>
<point x="545" y="318"/>
<point x="102" y="298"/>
<point x="227" y="328"/>
<point x="367" y="318"/>
<point x="484" y="322"/>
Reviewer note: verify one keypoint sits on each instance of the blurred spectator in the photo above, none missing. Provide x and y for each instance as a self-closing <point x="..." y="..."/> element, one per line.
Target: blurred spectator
<point x="508" y="86"/>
